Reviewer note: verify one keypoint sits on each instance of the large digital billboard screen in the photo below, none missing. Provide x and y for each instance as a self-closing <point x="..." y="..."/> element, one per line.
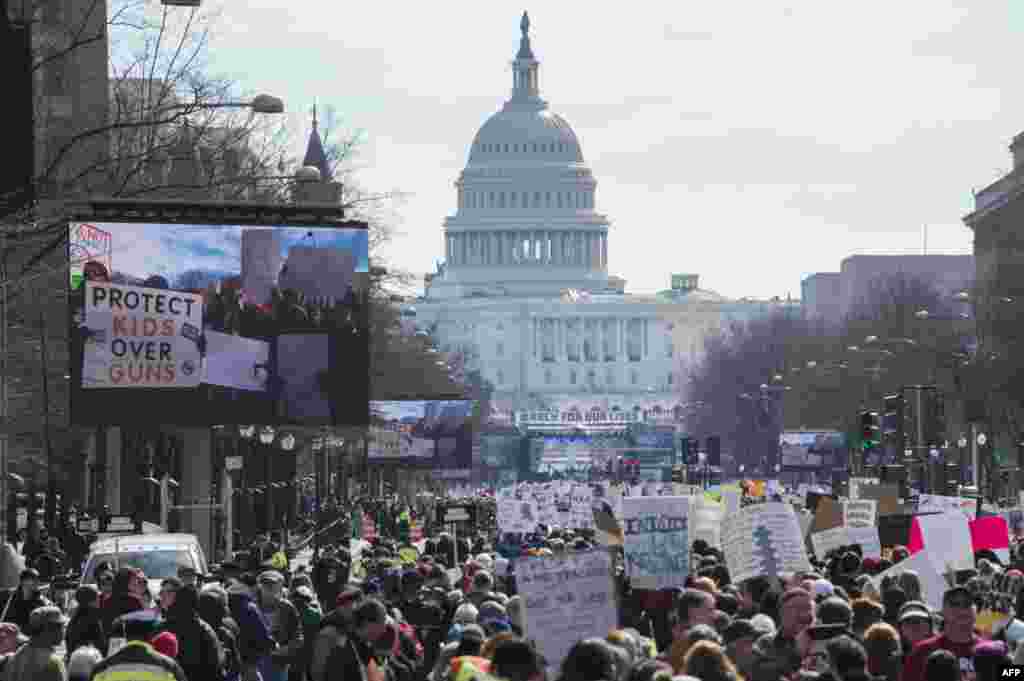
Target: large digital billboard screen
<point x="434" y="433"/>
<point x="205" y="324"/>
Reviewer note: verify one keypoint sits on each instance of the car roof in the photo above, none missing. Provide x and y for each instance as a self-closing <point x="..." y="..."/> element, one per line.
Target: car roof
<point x="112" y="544"/>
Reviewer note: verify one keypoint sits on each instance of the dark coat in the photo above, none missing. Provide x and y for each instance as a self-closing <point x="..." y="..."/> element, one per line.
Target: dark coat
<point x="86" y="628"/>
<point x="199" y="650"/>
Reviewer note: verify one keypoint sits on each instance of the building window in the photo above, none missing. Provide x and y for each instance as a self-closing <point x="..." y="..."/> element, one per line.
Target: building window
<point x="513" y="197"/>
<point x="572" y="377"/>
<point x="671" y="378"/>
<point x="609" y="377"/>
<point x="670" y="348"/>
<point x="500" y="349"/>
<point x="561" y="147"/>
<point x="547" y="199"/>
<point x="634" y="339"/>
<point x="536" y="199"/>
<point x="590" y="340"/>
<point x="559" y="195"/>
<point x="572" y="331"/>
<point x="490" y="199"/>
<point x="547" y="376"/>
<point x="501" y="377"/>
<point x="506" y="148"/>
<point x="634" y="377"/>
<point x="526" y="200"/>
<point x="609" y="334"/>
<point x="515" y="148"/>
<point x="501" y="199"/>
<point x="548" y="340"/>
<point x="591" y="377"/>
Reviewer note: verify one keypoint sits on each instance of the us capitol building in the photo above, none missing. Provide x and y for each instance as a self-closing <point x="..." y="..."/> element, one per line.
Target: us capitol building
<point x="525" y="289"/>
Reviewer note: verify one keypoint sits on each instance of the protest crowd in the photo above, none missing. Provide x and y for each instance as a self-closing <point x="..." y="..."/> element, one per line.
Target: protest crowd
<point x="568" y="582"/>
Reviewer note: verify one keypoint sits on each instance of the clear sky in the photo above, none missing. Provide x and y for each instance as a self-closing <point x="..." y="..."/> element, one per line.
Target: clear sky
<point x="750" y="142"/>
<point x="142" y="250"/>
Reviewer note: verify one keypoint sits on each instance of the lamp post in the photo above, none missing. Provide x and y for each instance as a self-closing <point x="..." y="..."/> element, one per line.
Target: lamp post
<point x="266" y="438"/>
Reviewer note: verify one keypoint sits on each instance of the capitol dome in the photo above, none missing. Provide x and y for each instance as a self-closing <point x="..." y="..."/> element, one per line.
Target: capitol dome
<point x="524" y="129"/>
<point x="526" y="222"/>
<point x="526" y="135"/>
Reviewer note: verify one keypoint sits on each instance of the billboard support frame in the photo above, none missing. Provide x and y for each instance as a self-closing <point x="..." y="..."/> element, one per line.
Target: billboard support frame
<point x="214" y="212"/>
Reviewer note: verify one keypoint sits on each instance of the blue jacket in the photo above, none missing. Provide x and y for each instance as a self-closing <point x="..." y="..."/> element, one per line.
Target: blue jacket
<point x="254" y="640"/>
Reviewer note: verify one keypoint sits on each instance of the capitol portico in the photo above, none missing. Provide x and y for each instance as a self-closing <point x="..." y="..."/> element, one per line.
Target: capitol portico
<point x="525" y="289"/>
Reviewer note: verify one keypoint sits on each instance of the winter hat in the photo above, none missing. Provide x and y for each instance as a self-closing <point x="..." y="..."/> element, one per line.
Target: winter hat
<point x="165" y="643"/>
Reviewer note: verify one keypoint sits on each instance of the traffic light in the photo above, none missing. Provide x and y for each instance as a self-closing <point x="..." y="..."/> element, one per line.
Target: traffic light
<point x="714" y="450"/>
<point x="869" y="431"/>
<point x="893" y="420"/>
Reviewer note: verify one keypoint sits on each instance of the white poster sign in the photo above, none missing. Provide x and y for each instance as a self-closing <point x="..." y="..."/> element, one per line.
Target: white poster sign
<point x="931" y="503"/>
<point x="764" y="539"/>
<point x="565" y="600"/>
<point x="947" y="537"/>
<point x="657" y="541"/>
<point x="731" y="499"/>
<point x="231" y="360"/>
<point x="867" y="537"/>
<point x="830" y="539"/>
<point x="933" y="584"/>
<point x="706" y="520"/>
<point x="860" y="513"/>
<point x="141" y="337"/>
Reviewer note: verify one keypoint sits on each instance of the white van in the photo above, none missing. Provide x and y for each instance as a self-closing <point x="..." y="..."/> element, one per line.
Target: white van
<point x="159" y="556"/>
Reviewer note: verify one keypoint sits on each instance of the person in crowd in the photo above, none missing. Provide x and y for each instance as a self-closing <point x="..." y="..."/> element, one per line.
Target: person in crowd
<point x="213" y="609"/>
<point x="334" y="631"/>
<point x="24" y="599"/>
<point x="885" y="652"/>
<point x="104" y="576"/>
<point x="516" y="660"/>
<point x="915" y="624"/>
<point x="707" y="661"/>
<point x="82" y="661"/>
<point x="739" y="638"/>
<point x="776" y="656"/>
<point x="942" y="665"/>
<point x="51" y="561"/>
<point x="866" y="613"/>
<point x="349" y="660"/>
<point x="990" y="659"/>
<point x="834" y="610"/>
<point x="126" y="596"/>
<point x="589" y="660"/>
<point x="86" y="626"/>
<point x="201" y="655"/>
<point x="310" y="617"/>
<point x="11" y="639"/>
<point x="139" y="627"/>
<point x="39" y="659"/>
<point x="846" y="660"/>
<point x="169" y="589"/>
<point x="189" y="576"/>
<point x="255" y="641"/>
<point x="285" y="625"/>
<point x="959" y="615"/>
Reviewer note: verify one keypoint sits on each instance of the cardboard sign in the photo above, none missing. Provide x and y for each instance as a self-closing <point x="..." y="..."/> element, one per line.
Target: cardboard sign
<point x="141" y="337"/>
<point x="566" y="599"/>
<point x="828" y="514"/>
<point x="932" y="503"/>
<point x="657" y="541"/>
<point x="867" y="537"/>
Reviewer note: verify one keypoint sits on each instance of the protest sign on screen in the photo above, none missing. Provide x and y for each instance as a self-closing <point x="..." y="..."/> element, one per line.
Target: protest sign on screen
<point x="205" y="323"/>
